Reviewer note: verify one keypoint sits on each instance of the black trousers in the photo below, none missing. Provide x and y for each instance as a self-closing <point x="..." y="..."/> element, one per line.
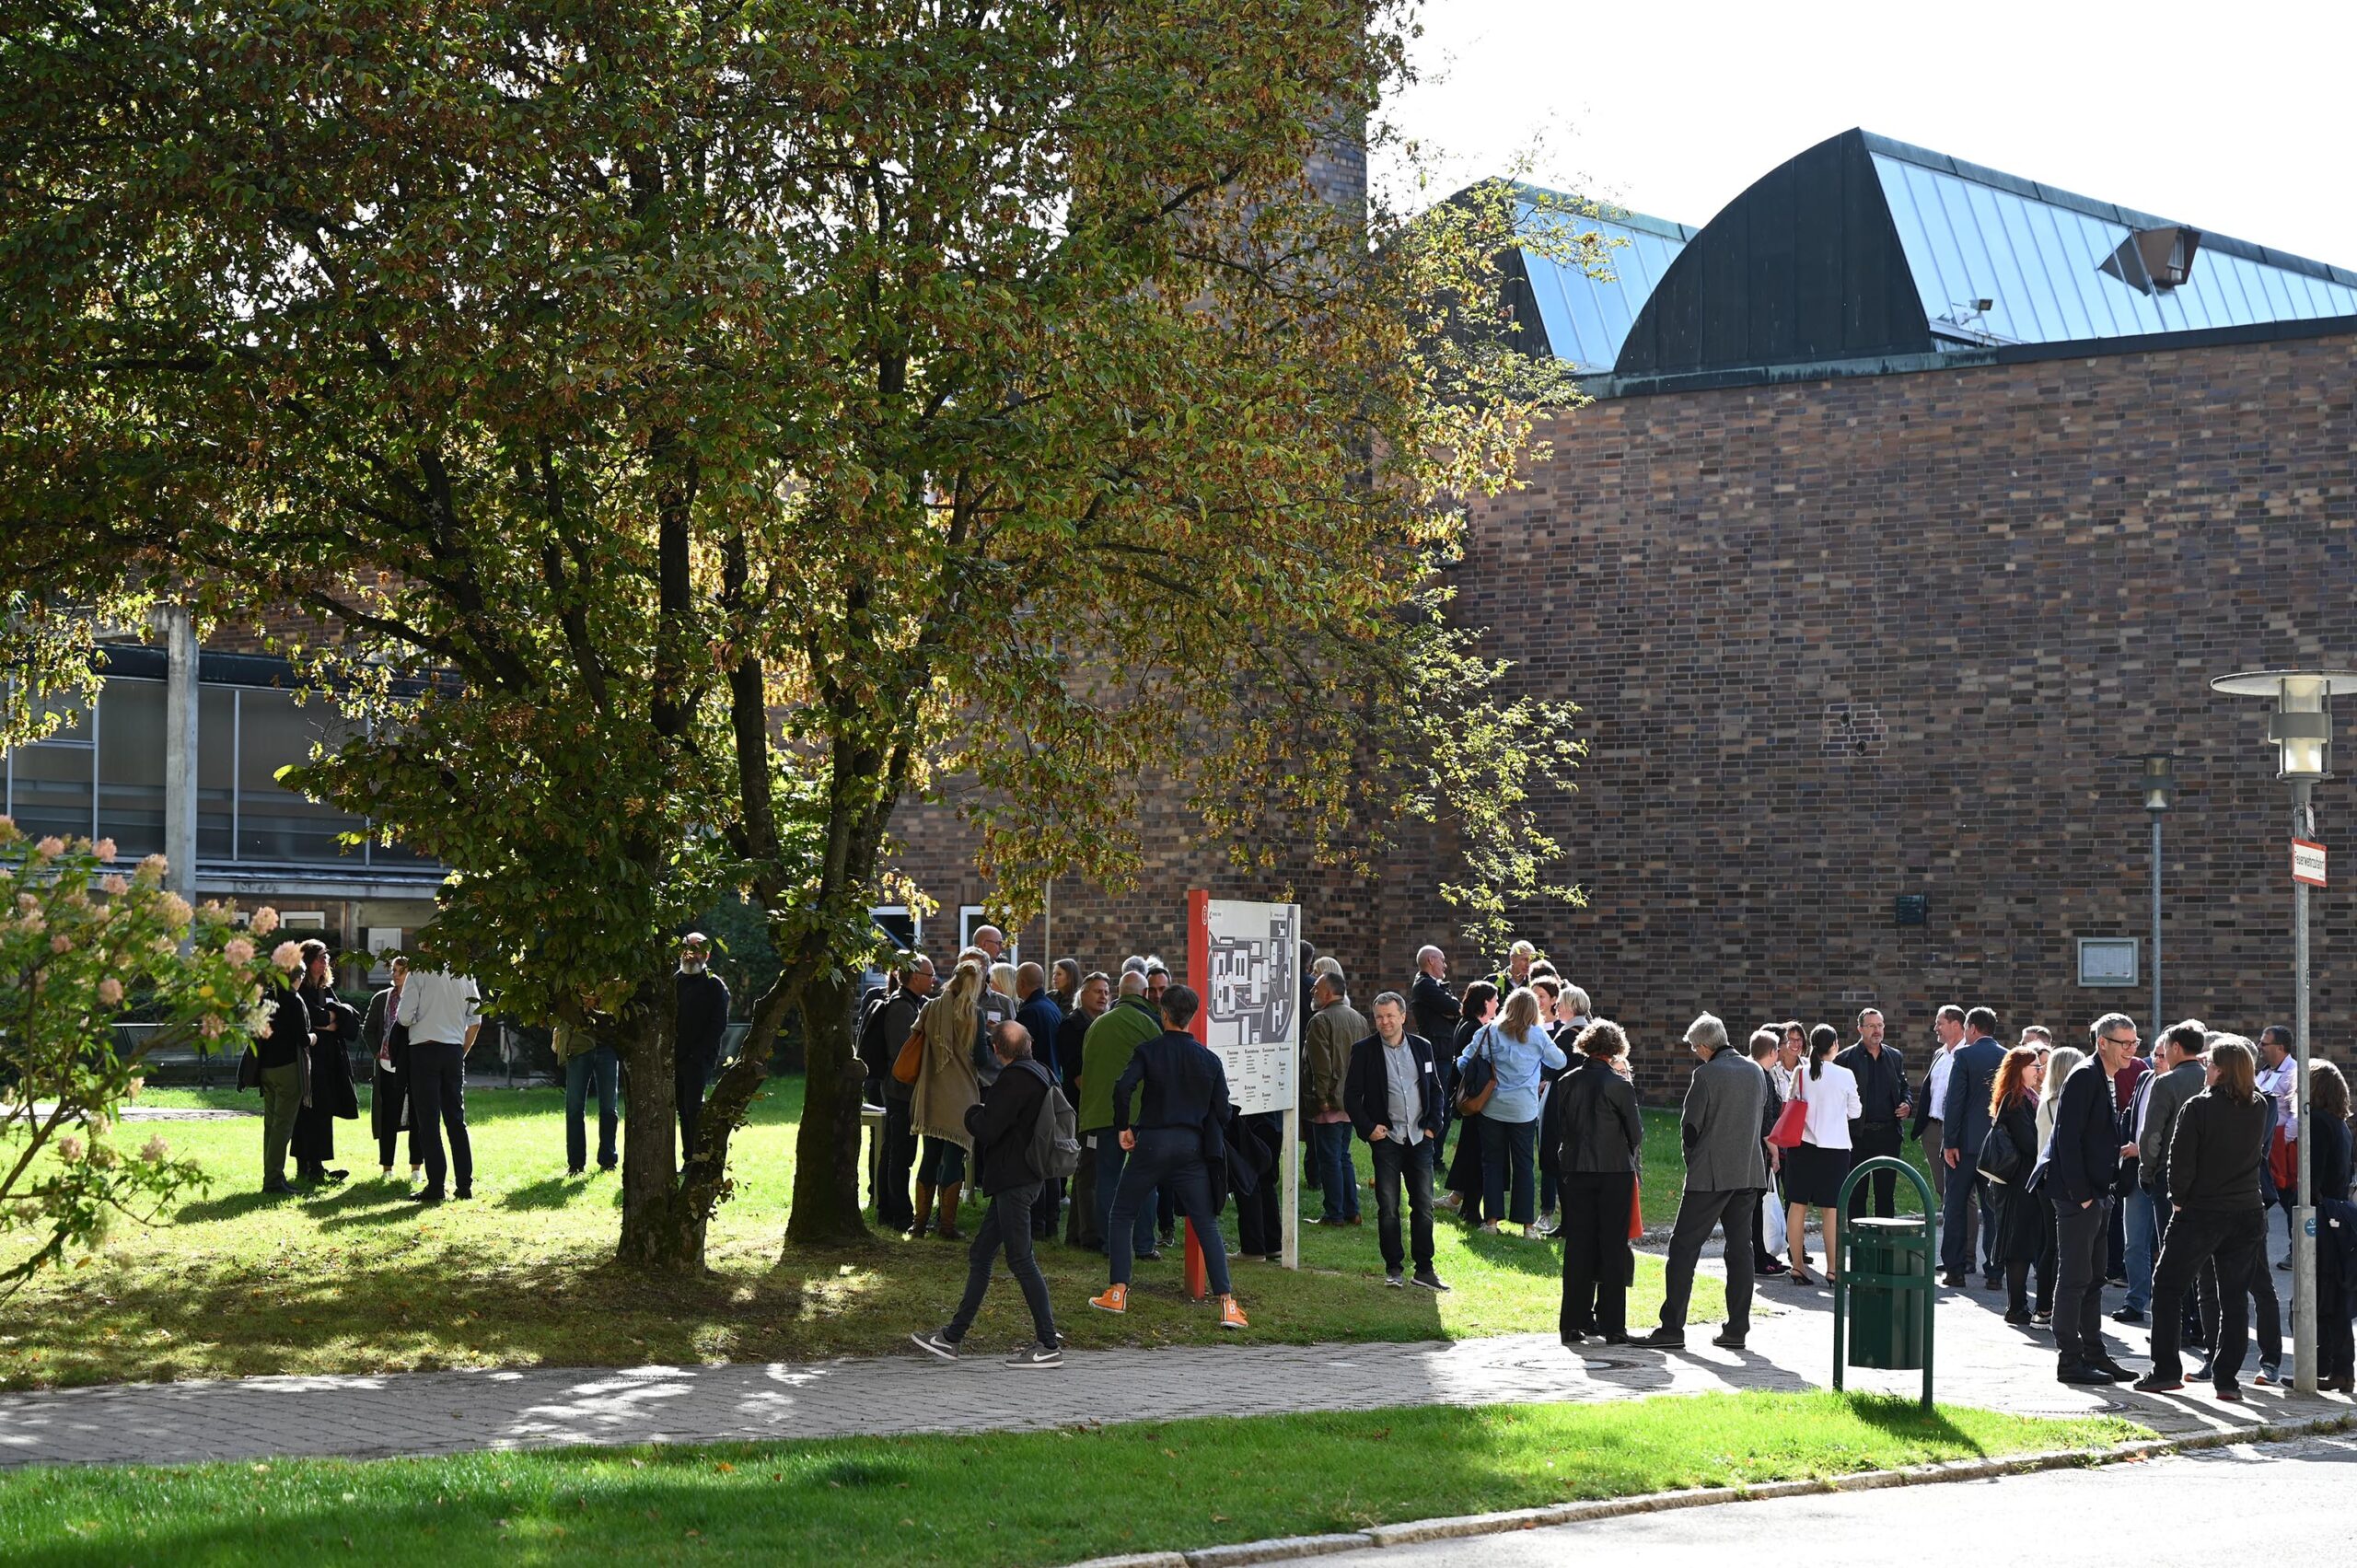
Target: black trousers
<point x="438" y="1105"/>
<point x="2082" y="1235"/>
<point x="1260" y="1217"/>
<point x="1597" y="1265"/>
<point x="1868" y="1139"/>
<point x="894" y="1210"/>
<point x="1081" y="1227"/>
<point x="390" y="1090"/>
<point x="688" y="1076"/>
<point x="2267" y="1317"/>
<point x="1008" y="1227"/>
<point x="2231" y="1240"/>
<point x="1399" y="1166"/>
<point x="2335" y="1350"/>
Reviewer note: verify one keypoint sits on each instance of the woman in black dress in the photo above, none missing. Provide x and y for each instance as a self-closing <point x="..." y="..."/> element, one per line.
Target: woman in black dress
<point x="1480" y="1005"/>
<point x="1603" y="1138"/>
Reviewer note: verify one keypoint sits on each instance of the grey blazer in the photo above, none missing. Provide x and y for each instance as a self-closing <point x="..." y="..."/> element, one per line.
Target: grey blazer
<point x="1726" y="1104"/>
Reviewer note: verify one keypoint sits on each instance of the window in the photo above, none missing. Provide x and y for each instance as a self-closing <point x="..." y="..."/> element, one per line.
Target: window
<point x="131" y="767"/>
<point x="50" y="784"/>
<point x="216" y="773"/>
<point x="897" y="922"/>
<point x="273" y="821"/>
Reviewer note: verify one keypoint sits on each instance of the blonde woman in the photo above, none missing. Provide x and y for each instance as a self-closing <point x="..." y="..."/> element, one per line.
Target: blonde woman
<point x="947" y="1084"/>
<point x="1517" y="1048"/>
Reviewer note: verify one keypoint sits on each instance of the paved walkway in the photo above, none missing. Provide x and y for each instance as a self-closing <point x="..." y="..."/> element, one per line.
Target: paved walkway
<point x="1981" y="1361"/>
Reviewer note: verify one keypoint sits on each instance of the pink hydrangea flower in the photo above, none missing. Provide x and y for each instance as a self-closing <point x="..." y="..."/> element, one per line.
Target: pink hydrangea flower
<point x="174" y="908"/>
<point x="49" y="847"/>
<point x="265" y="921"/>
<point x="61" y="943"/>
<point x="209" y="1026"/>
<point x="287" y="954"/>
<point x="114" y="884"/>
<point x="110" y="991"/>
<point x="238" y="951"/>
<point x="155" y="1151"/>
<point x="154" y="868"/>
<point x="102" y="848"/>
<point x="69" y="1147"/>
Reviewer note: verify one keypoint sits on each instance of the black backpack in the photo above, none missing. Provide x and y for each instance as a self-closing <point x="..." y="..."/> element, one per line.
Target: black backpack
<point x="1056" y="1132"/>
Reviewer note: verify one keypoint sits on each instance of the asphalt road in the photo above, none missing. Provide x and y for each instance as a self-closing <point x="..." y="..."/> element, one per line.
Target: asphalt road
<point x="2215" y="1506"/>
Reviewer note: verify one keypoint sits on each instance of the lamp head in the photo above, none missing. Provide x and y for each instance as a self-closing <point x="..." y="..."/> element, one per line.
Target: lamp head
<point x="2301" y="725"/>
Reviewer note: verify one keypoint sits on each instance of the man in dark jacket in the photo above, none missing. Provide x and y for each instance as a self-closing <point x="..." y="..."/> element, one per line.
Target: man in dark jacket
<point x="1096" y="993"/>
<point x="385" y="1044"/>
<point x="2075" y="1174"/>
<point x="1043" y="1021"/>
<point x="1181" y="1088"/>
<point x="702" y="1013"/>
<point x="328" y="1093"/>
<point x="1000" y="1124"/>
<point x="1884" y="1101"/>
<point x="1722" y="1126"/>
<point x="1392" y="1094"/>
<point x="1965" y="1126"/>
<point x="278" y="1058"/>
<point x="1437" y="1013"/>
<point x="894" y="1021"/>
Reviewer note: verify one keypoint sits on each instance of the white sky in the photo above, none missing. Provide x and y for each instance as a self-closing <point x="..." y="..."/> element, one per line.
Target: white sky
<point x="2238" y="118"/>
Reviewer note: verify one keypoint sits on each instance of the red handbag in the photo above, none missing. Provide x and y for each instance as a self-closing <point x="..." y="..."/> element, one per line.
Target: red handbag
<point x="1636" y="1210"/>
<point x="1791" y="1122"/>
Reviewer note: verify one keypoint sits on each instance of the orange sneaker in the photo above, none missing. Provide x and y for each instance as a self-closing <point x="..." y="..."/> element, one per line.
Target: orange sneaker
<point x="1230" y="1315"/>
<point x="1115" y="1299"/>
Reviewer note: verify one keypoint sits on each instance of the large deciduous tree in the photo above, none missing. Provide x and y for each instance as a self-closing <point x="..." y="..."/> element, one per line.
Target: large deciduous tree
<point x="694" y="429"/>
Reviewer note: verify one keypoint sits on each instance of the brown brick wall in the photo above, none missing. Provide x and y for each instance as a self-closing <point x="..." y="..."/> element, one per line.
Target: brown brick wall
<point x="2001" y="577"/>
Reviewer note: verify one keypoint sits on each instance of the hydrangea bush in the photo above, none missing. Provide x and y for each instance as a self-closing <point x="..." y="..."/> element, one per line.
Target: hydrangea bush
<point x="82" y="945"/>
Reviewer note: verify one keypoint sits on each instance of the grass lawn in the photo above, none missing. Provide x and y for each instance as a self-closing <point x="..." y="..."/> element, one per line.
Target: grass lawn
<point x="1032" y="1498"/>
<point x="354" y="1279"/>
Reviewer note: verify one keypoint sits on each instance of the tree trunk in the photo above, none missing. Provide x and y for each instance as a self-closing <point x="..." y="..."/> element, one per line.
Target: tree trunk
<point x="661" y="1234"/>
<point x="826" y="1170"/>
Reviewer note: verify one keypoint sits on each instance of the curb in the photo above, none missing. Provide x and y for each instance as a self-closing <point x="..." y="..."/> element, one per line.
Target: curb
<point x="1293" y="1548"/>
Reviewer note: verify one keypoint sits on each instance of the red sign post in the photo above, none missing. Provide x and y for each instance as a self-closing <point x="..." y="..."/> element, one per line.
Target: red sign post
<point x="2307" y="863"/>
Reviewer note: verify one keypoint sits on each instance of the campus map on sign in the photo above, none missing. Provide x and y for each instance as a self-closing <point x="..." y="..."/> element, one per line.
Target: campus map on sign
<point x="1247" y="958"/>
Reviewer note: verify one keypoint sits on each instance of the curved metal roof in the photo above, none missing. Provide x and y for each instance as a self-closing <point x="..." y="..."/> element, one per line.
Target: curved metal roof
<point x="1584" y="316"/>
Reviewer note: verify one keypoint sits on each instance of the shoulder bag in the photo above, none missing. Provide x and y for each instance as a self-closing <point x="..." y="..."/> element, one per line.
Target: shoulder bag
<point x="2001" y="1158"/>
<point x="905" y="1065"/>
<point x="1792" y="1121"/>
<point x="1479" y="1081"/>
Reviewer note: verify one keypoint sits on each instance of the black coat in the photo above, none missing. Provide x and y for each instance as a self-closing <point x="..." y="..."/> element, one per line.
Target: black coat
<point x="1366" y="1088"/>
<point x="702" y="1000"/>
<point x="2082" y="1160"/>
<point x="1435" y="1007"/>
<point x="337" y="1025"/>
<point x="2023" y="1216"/>
<point x="1000" y="1123"/>
<point x="1603" y="1133"/>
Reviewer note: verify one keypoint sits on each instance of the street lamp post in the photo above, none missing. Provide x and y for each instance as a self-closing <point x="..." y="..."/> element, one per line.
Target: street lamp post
<point x="2301" y="730"/>
<point x="2159" y="785"/>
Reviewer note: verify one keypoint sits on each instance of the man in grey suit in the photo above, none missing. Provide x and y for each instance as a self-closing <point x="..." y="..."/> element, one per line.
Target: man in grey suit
<point x="1725" y="1122"/>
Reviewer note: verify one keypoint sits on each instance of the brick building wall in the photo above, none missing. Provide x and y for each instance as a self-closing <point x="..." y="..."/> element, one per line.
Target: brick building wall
<point x="1847" y="639"/>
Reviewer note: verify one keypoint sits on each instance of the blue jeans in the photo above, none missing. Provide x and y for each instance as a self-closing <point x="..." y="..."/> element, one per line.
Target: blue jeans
<point x="1170" y="1158"/>
<point x="1503" y="1144"/>
<point x="1337" y="1177"/>
<point x="603" y="1067"/>
<point x="1111" y="1160"/>
<point x="2144" y="1241"/>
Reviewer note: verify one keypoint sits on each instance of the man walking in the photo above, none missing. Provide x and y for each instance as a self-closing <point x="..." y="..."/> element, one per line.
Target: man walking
<point x="1180" y="1087"/>
<point x="1964" y="1115"/>
<point x="1723" y="1122"/>
<point x="1392" y="1093"/>
<point x="1326" y="1048"/>
<point x="2075" y="1174"/>
<point x="701" y="999"/>
<point x="1000" y="1124"/>
<point x="443" y="1015"/>
<point x="1881" y="1072"/>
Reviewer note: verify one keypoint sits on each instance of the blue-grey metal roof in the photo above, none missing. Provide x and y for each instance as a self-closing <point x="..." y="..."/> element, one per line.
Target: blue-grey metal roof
<point x="1586" y="317"/>
<point x="2037" y="254"/>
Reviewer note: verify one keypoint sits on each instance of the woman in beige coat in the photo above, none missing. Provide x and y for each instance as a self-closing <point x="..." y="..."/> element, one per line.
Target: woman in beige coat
<point x="945" y="1086"/>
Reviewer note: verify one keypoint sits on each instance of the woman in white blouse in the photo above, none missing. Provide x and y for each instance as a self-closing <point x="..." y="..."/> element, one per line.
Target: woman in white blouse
<point x="1815" y="1168"/>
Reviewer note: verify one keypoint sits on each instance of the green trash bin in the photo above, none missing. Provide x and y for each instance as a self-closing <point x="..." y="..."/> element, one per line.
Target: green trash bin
<point x="1886" y="1318"/>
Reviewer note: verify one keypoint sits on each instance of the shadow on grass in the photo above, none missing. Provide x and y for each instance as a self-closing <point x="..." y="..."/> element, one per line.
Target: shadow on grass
<point x="549" y="1192"/>
<point x="231" y="1205"/>
<point x="1899" y="1416"/>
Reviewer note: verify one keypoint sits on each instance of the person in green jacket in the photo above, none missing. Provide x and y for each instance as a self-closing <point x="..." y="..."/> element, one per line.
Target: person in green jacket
<point x="1106" y="1050"/>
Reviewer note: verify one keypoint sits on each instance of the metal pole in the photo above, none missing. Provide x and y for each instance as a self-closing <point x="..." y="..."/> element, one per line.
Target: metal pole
<point x="2304" y="1218"/>
<point x="2156" y="924"/>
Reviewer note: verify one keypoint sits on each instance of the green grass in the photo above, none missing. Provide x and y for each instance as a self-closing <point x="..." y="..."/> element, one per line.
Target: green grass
<point x="354" y="1279"/>
<point x="1029" y="1498"/>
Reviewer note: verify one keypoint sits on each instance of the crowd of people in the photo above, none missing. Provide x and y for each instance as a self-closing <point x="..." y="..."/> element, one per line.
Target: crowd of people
<point x="1083" y="1103"/>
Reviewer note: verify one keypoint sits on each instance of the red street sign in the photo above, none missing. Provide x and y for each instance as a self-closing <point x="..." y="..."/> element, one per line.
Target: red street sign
<point x="2307" y="863"/>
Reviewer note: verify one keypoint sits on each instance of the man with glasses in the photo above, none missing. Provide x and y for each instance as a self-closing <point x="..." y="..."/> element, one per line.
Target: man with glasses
<point x="2076" y="1172"/>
